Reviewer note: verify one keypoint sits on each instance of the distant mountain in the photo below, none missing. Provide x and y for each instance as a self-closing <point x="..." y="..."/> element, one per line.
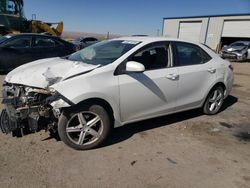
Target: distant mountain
<point x="69" y="35"/>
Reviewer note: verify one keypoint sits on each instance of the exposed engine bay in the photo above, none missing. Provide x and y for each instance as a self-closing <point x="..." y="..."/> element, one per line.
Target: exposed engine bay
<point x="28" y="110"/>
<point x="31" y="103"/>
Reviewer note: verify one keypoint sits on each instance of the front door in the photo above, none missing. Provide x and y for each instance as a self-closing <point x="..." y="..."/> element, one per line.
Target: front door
<point x="16" y="52"/>
<point x="153" y="92"/>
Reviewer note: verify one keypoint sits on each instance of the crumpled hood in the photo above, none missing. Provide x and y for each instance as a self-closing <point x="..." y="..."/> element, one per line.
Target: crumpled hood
<point x="45" y="72"/>
<point x="231" y="49"/>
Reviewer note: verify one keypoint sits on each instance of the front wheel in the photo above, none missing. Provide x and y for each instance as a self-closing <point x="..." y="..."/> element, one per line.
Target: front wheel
<point x="214" y="101"/>
<point x="85" y="128"/>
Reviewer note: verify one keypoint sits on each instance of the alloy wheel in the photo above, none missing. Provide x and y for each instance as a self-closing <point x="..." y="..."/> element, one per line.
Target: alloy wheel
<point x="215" y="100"/>
<point x="84" y="128"/>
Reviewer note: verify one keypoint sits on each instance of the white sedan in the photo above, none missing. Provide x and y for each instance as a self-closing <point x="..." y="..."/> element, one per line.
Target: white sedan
<point x="112" y="83"/>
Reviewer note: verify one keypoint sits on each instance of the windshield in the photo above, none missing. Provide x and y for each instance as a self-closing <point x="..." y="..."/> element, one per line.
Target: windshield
<point x="103" y="53"/>
<point x="238" y="44"/>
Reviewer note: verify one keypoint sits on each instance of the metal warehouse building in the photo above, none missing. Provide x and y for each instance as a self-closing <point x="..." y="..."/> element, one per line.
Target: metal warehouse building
<point x="214" y="31"/>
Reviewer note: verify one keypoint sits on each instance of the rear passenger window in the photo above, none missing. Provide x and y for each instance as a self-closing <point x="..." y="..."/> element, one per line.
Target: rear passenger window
<point x="189" y="54"/>
<point x="44" y="42"/>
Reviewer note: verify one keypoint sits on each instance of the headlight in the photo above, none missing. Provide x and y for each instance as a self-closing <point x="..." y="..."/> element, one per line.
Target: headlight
<point x="52" y="91"/>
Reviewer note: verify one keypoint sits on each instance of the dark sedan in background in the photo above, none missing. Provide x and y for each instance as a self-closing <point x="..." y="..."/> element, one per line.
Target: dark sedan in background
<point x="84" y="42"/>
<point x="239" y="51"/>
<point x="16" y="50"/>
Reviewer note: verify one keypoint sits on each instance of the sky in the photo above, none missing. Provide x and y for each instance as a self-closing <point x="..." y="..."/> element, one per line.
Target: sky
<point x="126" y="17"/>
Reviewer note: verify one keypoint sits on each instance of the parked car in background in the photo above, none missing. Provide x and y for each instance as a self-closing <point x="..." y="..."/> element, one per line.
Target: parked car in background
<point x="239" y="51"/>
<point x="19" y="49"/>
<point x="84" y="42"/>
<point x="110" y="84"/>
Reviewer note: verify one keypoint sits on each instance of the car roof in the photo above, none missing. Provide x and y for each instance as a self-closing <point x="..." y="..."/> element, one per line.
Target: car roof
<point x="146" y="39"/>
<point x="31" y="34"/>
<point x="37" y="34"/>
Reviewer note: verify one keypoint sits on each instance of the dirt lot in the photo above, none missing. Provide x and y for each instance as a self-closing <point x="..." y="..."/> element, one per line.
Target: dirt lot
<point x="186" y="150"/>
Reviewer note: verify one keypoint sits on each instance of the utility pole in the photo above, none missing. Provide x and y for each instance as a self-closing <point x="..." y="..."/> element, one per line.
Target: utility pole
<point x="108" y="35"/>
<point x="158" y="32"/>
<point x="33" y="16"/>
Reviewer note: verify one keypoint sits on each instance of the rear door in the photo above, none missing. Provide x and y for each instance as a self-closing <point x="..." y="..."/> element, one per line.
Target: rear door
<point x="44" y="47"/>
<point x="64" y="48"/>
<point x="196" y="74"/>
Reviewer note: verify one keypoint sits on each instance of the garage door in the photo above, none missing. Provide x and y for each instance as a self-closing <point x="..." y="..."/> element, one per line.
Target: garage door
<point x="236" y="28"/>
<point x="190" y="31"/>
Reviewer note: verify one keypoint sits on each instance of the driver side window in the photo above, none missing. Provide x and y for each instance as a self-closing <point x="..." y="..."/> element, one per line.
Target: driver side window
<point x="155" y="56"/>
<point x="24" y="42"/>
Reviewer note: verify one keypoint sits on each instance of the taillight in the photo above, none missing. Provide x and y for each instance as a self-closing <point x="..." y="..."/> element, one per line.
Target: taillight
<point x="231" y="67"/>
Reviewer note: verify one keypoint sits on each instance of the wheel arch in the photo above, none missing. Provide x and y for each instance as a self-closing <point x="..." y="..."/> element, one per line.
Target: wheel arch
<point x="92" y="105"/>
<point x="111" y="110"/>
<point x="217" y="84"/>
<point x="101" y="102"/>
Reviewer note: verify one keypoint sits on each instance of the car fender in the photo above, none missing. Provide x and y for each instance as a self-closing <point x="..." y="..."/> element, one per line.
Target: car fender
<point x="95" y="95"/>
<point x="71" y="92"/>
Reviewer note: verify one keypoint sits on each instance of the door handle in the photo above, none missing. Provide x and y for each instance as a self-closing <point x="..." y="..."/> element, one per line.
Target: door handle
<point x="211" y="70"/>
<point x="172" y="76"/>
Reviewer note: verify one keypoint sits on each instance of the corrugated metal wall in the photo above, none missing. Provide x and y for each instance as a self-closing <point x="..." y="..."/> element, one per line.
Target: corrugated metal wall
<point x="212" y="28"/>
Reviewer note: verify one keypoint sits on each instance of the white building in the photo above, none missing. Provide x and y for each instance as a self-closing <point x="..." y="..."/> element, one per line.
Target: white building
<point x="214" y="31"/>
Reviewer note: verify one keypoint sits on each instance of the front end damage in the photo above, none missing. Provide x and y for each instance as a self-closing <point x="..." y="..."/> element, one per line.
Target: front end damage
<point x="29" y="109"/>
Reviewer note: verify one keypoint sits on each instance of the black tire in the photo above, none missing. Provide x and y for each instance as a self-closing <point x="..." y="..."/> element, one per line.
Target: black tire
<point x="218" y="102"/>
<point x="67" y="117"/>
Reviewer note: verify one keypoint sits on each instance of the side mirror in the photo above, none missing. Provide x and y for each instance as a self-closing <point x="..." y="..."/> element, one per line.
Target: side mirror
<point x="133" y="66"/>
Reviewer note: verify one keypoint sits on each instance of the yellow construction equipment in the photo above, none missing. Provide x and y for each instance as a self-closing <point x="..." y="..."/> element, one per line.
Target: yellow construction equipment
<point x="12" y="20"/>
<point x="42" y="27"/>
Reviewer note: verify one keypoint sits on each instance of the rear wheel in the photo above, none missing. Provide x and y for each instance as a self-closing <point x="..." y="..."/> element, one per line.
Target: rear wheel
<point x="214" y="101"/>
<point x="86" y="128"/>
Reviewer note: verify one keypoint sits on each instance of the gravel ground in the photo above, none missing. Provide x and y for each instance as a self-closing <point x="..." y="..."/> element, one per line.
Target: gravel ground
<point x="184" y="150"/>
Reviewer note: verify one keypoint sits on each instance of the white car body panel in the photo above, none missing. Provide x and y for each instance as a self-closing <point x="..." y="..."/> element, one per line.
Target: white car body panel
<point x="102" y="86"/>
<point x="42" y="73"/>
<point x="133" y="97"/>
<point x="193" y="82"/>
<point x="150" y="91"/>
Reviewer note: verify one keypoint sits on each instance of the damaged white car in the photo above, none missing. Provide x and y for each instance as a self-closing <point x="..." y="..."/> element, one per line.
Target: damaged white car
<point x="112" y="83"/>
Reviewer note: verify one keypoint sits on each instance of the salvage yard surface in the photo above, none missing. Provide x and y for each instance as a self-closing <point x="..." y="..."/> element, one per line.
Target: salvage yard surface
<point x="185" y="150"/>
